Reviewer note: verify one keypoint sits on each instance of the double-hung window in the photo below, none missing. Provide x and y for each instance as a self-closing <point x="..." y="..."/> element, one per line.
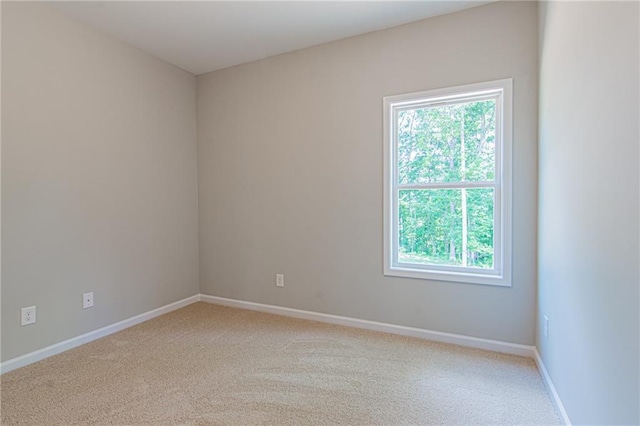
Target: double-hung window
<point x="447" y="184"/>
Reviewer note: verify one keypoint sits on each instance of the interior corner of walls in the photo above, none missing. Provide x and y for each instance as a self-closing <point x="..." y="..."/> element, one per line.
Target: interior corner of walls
<point x="553" y="393"/>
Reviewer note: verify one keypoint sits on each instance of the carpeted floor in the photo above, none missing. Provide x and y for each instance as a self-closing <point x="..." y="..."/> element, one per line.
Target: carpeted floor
<point x="207" y="364"/>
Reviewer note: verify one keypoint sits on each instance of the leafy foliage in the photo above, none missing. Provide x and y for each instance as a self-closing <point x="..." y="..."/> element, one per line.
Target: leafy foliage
<point x="445" y="144"/>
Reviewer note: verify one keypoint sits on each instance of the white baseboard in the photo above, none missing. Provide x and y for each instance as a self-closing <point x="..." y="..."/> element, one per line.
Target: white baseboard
<point x="57" y="348"/>
<point x="457" y="339"/>
<point x="474" y="342"/>
<point x="555" y="398"/>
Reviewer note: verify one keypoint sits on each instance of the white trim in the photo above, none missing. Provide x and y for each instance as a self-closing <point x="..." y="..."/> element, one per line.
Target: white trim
<point x="449" y="185"/>
<point x="500" y="274"/>
<point x="546" y="378"/>
<point x="437" y="336"/>
<point x="57" y="348"/>
<point x="432" y="272"/>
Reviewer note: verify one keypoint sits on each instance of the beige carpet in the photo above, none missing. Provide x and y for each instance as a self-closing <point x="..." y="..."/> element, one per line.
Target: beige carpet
<point x="207" y="364"/>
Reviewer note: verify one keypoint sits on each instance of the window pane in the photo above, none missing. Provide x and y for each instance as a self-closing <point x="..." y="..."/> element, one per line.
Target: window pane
<point x="447" y="143"/>
<point x="431" y="230"/>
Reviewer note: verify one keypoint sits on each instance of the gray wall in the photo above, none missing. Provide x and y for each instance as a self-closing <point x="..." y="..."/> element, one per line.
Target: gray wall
<point x="290" y="172"/>
<point x="99" y="181"/>
<point x="588" y="217"/>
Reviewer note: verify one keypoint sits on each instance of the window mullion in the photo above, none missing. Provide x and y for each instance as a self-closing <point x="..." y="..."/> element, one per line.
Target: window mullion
<point x="449" y="185"/>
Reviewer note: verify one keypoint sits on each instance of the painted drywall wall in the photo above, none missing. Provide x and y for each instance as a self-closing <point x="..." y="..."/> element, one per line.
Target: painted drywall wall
<point x="588" y="240"/>
<point x="290" y="173"/>
<point x="0" y="181"/>
<point x="99" y="180"/>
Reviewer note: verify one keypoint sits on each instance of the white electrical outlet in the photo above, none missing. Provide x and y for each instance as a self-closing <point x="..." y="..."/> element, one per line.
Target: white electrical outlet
<point x="280" y="280"/>
<point x="87" y="300"/>
<point x="28" y="315"/>
<point x="546" y="327"/>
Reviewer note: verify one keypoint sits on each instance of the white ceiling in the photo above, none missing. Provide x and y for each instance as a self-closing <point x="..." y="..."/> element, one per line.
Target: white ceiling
<point x="204" y="36"/>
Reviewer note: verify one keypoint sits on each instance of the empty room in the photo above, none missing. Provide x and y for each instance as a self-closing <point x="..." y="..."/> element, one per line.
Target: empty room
<point x="320" y="212"/>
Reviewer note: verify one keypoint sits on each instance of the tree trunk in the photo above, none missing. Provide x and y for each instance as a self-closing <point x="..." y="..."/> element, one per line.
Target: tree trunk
<point x="452" y="208"/>
<point x="452" y="243"/>
<point x="463" y="167"/>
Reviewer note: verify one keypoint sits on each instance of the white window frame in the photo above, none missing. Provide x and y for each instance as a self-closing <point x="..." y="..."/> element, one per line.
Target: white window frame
<point x="500" y="275"/>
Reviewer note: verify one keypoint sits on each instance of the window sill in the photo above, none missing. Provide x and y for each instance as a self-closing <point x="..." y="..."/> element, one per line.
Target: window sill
<point x="459" y="277"/>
